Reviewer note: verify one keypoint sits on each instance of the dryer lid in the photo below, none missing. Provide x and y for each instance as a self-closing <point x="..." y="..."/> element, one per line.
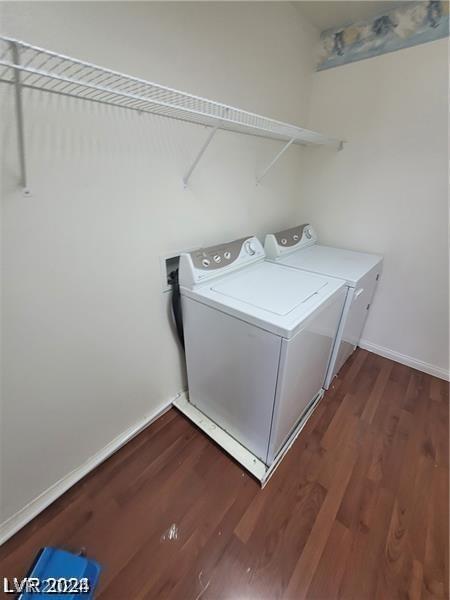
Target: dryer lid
<point x="348" y="265"/>
<point x="271" y="288"/>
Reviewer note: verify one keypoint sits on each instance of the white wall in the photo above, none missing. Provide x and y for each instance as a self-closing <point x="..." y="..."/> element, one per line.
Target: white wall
<point x="387" y="191"/>
<point x="87" y="347"/>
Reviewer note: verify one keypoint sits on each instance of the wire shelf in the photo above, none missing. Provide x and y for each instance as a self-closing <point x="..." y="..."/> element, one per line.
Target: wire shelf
<point x="41" y="69"/>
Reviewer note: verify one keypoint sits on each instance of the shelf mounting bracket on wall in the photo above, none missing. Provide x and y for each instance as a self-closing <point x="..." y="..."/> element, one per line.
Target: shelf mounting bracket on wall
<point x="19" y="119"/>
<point x="200" y="154"/>
<point x="274" y="160"/>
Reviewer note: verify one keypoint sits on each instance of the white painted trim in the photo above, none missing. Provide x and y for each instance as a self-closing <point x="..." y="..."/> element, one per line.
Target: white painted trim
<point x="33" y="508"/>
<point x="404" y="359"/>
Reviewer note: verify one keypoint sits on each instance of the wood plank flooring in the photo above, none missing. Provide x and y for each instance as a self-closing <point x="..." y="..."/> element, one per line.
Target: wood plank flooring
<point x="358" y="509"/>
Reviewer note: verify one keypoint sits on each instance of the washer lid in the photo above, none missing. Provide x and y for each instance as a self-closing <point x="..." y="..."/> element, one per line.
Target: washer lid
<point x="278" y="291"/>
<point x="271" y="296"/>
<point x="333" y="262"/>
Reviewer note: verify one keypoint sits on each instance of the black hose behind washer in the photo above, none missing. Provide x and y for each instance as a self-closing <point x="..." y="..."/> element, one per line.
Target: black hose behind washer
<point x="176" y="305"/>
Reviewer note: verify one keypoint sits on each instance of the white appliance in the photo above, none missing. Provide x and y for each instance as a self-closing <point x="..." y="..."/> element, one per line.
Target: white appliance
<point x="258" y="340"/>
<point x="298" y="248"/>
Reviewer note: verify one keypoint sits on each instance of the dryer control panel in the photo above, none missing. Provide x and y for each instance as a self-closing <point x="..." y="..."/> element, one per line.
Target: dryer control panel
<point x="207" y="263"/>
<point x="289" y="240"/>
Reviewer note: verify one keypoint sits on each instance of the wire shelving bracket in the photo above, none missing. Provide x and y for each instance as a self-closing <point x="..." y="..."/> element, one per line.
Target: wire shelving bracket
<point x="30" y="67"/>
<point x="274" y="160"/>
<point x="208" y="140"/>
<point x="19" y="119"/>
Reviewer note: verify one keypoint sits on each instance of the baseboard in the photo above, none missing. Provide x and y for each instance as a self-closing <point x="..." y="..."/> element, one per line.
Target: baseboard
<point x="404" y="359"/>
<point x="31" y="510"/>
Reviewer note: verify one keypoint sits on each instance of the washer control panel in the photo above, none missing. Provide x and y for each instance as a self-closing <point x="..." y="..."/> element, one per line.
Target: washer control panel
<point x="204" y="263"/>
<point x="216" y="257"/>
<point x="288" y="240"/>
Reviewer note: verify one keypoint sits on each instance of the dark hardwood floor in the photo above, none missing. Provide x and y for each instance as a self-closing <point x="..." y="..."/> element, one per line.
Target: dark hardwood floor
<point x="357" y="509"/>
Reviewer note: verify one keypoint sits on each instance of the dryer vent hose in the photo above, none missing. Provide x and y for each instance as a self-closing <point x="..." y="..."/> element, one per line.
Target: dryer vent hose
<point x="176" y="305"/>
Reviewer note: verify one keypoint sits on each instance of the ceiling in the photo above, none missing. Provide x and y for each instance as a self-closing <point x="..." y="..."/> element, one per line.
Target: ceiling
<point x="335" y="13"/>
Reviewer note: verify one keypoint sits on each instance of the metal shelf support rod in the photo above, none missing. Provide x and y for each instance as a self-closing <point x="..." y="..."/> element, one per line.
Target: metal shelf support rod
<point x="200" y="154"/>
<point x="274" y="160"/>
<point x="19" y="119"/>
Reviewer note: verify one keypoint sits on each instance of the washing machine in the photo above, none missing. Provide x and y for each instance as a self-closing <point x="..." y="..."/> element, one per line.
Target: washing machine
<point x="258" y="339"/>
<point x="298" y="248"/>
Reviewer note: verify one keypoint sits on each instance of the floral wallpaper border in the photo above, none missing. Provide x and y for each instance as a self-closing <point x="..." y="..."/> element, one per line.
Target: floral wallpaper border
<point x="414" y="23"/>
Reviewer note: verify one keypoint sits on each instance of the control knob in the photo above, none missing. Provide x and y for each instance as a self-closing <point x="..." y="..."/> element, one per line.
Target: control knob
<point x="249" y="248"/>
